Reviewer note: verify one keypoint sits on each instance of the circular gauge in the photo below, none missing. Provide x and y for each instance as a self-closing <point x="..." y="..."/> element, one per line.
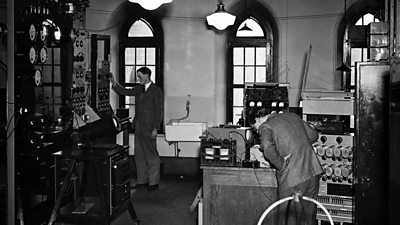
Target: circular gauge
<point x="116" y="123"/>
<point x="38" y="77"/>
<point x="43" y="54"/>
<point x="44" y="33"/>
<point x="33" y="55"/>
<point x="32" y="32"/>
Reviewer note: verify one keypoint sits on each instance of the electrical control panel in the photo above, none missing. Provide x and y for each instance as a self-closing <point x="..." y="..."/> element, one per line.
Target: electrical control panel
<point x="332" y="113"/>
<point x="79" y="89"/>
<point x="103" y="87"/>
<point x="336" y="190"/>
<point x="274" y="96"/>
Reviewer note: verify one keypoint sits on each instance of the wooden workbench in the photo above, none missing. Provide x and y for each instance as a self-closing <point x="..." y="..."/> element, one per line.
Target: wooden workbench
<point x="236" y="195"/>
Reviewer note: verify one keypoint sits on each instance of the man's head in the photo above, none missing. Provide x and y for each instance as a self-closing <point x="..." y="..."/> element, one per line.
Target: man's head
<point x="143" y="75"/>
<point x="258" y="116"/>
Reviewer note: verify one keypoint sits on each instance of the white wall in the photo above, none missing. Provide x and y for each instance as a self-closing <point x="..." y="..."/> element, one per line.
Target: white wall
<point x="195" y="61"/>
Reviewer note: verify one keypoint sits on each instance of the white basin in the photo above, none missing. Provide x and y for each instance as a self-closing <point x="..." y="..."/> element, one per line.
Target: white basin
<point x="185" y="131"/>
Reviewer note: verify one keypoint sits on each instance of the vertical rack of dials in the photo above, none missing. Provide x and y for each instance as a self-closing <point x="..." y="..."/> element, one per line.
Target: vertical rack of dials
<point x="333" y="115"/>
<point x="37" y="105"/>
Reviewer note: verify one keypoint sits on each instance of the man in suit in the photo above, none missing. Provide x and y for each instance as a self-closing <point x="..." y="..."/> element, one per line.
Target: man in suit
<point x="148" y="116"/>
<point x="286" y="142"/>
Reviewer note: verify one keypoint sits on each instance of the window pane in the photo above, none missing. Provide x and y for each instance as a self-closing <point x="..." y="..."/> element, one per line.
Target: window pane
<point x="249" y="56"/>
<point x="260" y="56"/>
<point x="249" y="75"/>
<point x="49" y="60"/>
<point x="153" y="73"/>
<point x="57" y="74"/>
<point x="100" y="50"/>
<point x="368" y="18"/>
<point x="48" y="91"/>
<point x="238" y="56"/>
<point x="238" y="75"/>
<point x="260" y="74"/>
<point x="238" y="97"/>
<point x="352" y="77"/>
<point x="47" y="74"/>
<point x="237" y="114"/>
<point x="355" y="55"/>
<point x="140" y="56"/>
<point x="365" y="54"/>
<point x="254" y="29"/>
<point x="130" y="74"/>
<point x="131" y="110"/>
<point x="140" y="28"/>
<point x="129" y="56"/>
<point x="151" y="56"/>
<point x="57" y="95"/>
<point x="130" y="100"/>
<point x="359" y="22"/>
<point x="56" y="54"/>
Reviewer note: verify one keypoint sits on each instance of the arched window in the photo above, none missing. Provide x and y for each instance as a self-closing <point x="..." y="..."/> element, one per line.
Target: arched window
<point x="356" y="43"/>
<point x="252" y="57"/>
<point x="141" y="44"/>
<point x="353" y="43"/>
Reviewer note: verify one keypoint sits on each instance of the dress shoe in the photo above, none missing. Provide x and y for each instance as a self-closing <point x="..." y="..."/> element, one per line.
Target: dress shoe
<point x="139" y="186"/>
<point x="152" y="187"/>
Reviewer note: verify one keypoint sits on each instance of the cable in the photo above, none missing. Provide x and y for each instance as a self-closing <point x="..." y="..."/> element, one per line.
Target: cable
<point x="16" y="123"/>
<point x="296" y="199"/>
<point x="259" y="184"/>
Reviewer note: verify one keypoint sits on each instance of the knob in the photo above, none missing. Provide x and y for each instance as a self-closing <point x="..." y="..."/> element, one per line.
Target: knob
<point x="337" y="151"/>
<point x="328" y="150"/>
<point x="320" y="150"/>
<point x="328" y="169"/>
<point x="346" y="170"/>
<point x="337" y="171"/>
<point x="347" y="152"/>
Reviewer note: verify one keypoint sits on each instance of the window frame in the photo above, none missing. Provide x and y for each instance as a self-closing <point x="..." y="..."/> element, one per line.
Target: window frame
<point x="268" y="24"/>
<point x="353" y="14"/>
<point x="157" y="42"/>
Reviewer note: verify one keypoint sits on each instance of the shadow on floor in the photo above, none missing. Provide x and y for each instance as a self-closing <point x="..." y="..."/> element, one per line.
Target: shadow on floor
<point x="168" y="205"/>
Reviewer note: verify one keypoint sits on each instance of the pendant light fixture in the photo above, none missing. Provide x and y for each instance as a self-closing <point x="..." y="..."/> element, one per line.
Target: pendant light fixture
<point x="220" y="19"/>
<point x="245" y="27"/>
<point x="344" y="67"/>
<point x="150" y="4"/>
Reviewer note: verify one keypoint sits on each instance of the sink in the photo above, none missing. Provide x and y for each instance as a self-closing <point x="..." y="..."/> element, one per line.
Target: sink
<point x="184" y="131"/>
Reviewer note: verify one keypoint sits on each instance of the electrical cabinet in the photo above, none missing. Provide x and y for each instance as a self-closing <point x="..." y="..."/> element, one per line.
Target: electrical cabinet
<point x="332" y="113"/>
<point x="371" y="156"/>
<point x="92" y="183"/>
<point x="353" y="147"/>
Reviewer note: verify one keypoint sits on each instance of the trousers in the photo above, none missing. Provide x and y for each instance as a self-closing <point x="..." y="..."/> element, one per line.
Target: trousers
<point x="303" y="212"/>
<point x="147" y="158"/>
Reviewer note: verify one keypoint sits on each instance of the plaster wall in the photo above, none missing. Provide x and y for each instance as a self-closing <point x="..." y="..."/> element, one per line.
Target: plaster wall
<point x="195" y="54"/>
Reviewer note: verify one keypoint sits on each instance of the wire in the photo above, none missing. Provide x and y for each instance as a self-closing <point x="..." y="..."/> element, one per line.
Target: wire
<point x="12" y="131"/>
<point x="290" y="198"/>
<point x="259" y="184"/>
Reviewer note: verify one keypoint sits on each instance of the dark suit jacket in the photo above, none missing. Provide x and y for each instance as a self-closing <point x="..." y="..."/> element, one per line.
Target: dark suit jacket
<point x="148" y="105"/>
<point x="284" y="134"/>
